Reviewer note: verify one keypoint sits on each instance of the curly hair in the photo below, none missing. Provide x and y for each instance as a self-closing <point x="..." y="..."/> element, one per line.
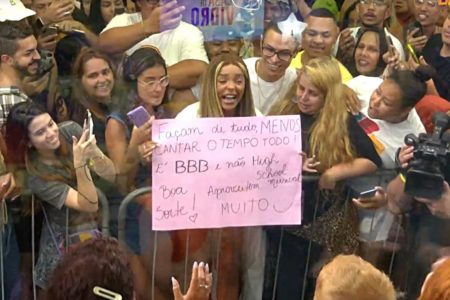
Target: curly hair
<point x="97" y="262"/>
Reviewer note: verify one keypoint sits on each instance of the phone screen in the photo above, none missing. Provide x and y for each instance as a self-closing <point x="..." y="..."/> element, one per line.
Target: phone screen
<point x="368" y="194"/>
<point x="90" y="124"/>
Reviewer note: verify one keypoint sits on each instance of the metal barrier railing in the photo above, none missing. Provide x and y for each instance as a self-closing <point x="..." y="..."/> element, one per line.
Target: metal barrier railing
<point x="381" y="175"/>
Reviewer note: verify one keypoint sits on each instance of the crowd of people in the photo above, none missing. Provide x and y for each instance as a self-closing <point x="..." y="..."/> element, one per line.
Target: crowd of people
<point x="361" y="74"/>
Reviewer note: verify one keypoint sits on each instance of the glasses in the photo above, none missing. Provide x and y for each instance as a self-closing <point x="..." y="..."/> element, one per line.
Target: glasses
<point x="284" y="55"/>
<point x="430" y="4"/>
<point x="377" y="3"/>
<point x="163" y="82"/>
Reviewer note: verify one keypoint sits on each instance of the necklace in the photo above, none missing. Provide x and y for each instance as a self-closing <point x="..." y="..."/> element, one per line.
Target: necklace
<point x="276" y="87"/>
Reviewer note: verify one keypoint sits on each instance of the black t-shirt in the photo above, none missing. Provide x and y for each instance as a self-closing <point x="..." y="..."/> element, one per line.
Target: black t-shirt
<point x="363" y="148"/>
<point x="432" y="55"/>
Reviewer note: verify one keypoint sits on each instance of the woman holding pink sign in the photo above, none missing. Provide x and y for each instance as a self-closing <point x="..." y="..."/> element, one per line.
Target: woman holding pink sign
<point x="226" y="93"/>
<point x="335" y="147"/>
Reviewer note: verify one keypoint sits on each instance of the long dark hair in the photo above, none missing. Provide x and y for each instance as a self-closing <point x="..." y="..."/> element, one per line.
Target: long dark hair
<point x="95" y="19"/>
<point x="80" y="101"/>
<point x="20" y="152"/>
<point x="383" y="48"/>
<point x="133" y="66"/>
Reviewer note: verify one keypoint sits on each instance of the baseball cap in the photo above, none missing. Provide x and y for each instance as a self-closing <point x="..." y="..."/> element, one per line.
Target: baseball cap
<point x="13" y="10"/>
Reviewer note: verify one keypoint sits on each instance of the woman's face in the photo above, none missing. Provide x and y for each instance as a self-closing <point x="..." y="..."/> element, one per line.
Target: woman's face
<point x="97" y="80"/>
<point x="230" y="88"/>
<point x="152" y="84"/>
<point x="367" y="53"/>
<point x="385" y="103"/>
<point x="107" y="10"/>
<point x="43" y="133"/>
<point x="309" y="99"/>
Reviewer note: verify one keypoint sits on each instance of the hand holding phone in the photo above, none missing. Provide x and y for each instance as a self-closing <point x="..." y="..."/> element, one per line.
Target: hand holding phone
<point x="371" y="199"/>
<point x="138" y="116"/>
<point x="368" y="194"/>
<point x="49" y="31"/>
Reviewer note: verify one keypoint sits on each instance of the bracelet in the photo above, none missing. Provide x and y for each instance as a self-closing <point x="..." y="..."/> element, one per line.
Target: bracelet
<point x="402" y="177"/>
<point x="91" y="160"/>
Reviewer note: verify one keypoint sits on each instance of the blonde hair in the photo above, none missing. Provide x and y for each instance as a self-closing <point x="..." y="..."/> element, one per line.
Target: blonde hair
<point x="329" y="138"/>
<point x="210" y="104"/>
<point x="437" y="286"/>
<point x="351" y="277"/>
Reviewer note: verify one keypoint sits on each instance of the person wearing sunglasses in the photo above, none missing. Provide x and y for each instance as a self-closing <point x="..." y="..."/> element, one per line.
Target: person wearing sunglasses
<point x="270" y="74"/>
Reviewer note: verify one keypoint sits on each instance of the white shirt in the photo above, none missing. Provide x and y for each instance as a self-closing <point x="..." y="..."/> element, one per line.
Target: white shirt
<point x="265" y="93"/>
<point x="387" y="137"/>
<point x="181" y="43"/>
<point x="354" y="30"/>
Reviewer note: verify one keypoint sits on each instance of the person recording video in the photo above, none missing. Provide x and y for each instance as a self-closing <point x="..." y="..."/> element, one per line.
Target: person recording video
<point x="421" y="190"/>
<point x="424" y="185"/>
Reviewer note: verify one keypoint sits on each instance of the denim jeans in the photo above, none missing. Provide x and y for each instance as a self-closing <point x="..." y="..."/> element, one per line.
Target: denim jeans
<point x="11" y="259"/>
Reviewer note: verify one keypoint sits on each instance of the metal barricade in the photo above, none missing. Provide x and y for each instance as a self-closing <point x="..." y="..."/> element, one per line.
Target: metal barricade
<point x="381" y="177"/>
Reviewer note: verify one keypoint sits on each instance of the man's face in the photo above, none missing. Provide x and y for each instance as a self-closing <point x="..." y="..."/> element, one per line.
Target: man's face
<point x="40" y="6"/>
<point x="319" y="36"/>
<point x="427" y="12"/>
<point x="276" y="12"/>
<point x="26" y="59"/>
<point x="277" y="52"/>
<point x="374" y="12"/>
<point x="215" y="48"/>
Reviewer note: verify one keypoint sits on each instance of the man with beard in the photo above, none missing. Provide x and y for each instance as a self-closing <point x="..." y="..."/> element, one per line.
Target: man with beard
<point x="18" y="58"/>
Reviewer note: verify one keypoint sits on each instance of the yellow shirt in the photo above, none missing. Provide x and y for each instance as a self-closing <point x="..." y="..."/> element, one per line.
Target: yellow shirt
<point x="345" y="74"/>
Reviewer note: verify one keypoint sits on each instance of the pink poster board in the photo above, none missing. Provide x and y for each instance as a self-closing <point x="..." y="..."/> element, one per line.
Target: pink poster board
<point x="222" y="172"/>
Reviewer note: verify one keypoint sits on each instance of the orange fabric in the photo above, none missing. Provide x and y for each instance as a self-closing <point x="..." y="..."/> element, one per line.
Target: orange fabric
<point x="427" y="106"/>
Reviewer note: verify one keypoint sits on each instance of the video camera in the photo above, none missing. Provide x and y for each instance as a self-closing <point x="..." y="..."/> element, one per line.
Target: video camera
<point x="425" y="177"/>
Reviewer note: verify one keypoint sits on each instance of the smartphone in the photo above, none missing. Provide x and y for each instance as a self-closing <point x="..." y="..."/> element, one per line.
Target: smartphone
<point x="413" y="26"/>
<point x="389" y="42"/>
<point x="90" y="124"/>
<point x="368" y="194"/>
<point x="50" y="30"/>
<point x="138" y="116"/>
<point x="412" y="52"/>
